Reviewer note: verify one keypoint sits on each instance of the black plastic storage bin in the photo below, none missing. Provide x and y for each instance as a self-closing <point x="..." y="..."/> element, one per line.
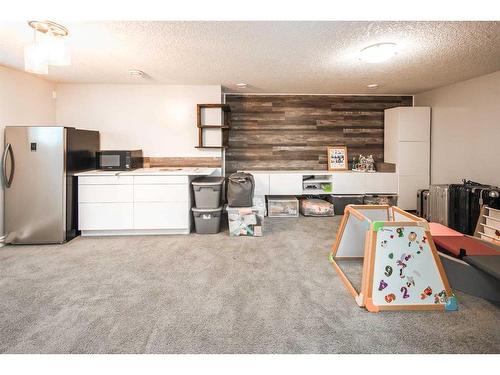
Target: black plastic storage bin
<point x="207" y="192"/>
<point x="390" y="199"/>
<point x="340" y="201"/>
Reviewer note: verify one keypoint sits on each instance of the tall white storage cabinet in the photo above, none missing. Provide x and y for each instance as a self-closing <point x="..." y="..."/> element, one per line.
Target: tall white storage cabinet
<point x="407" y="136"/>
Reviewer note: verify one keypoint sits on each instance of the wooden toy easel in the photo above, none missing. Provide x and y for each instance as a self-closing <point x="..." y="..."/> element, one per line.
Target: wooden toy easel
<point x="401" y="267"/>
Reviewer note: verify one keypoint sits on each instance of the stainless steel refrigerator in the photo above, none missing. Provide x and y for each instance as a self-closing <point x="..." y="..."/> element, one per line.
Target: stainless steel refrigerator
<point x="40" y="189"/>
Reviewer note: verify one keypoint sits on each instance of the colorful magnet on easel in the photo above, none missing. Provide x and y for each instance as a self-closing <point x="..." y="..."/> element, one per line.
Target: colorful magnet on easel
<point x="451" y="304"/>
<point x="404" y="290"/>
<point x="382" y="285"/>
<point x="388" y="271"/>
<point x="411" y="237"/>
<point x="426" y="293"/>
<point x="391" y="255"/>
<point x="410" y="282"/>
<point x="389" y="298"/>
<point x="400" y="232"/>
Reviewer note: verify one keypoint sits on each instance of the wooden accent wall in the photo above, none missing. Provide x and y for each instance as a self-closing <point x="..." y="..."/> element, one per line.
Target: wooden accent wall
<point x="293" y="131"/>
<point x="212" y="162"/>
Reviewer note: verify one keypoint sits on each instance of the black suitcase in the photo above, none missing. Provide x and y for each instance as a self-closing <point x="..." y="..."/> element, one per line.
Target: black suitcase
<point x="466" y="200"/>
<point x="422" y="203"/>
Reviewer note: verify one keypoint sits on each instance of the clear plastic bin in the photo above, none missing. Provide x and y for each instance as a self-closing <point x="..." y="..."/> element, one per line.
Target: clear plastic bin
<point x="246" y="221"/>
<point x="282" y="206"/>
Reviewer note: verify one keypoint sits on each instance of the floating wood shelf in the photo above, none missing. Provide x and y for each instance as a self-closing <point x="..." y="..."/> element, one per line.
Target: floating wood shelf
<point x="224" y="126"/>
<point x="213" y="127"/>
<point x="217" y="147"/>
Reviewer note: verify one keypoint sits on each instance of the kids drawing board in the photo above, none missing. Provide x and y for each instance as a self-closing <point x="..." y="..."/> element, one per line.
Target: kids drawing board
<point x="401" y="268"/>
<point x="355" y="222"/>
<point x="405" y="271"/>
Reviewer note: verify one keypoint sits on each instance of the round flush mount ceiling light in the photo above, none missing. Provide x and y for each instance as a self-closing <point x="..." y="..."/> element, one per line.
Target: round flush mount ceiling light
<point x="372" y="86"/>
<point x="136" y="73"/>
<point x="49" y="27"/>
<point x="378" y="53"/>
<point x="241" y="85"/>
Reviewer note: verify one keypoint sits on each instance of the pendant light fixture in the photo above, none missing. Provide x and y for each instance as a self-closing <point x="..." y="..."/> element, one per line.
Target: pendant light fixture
<point x="49" y="47"/>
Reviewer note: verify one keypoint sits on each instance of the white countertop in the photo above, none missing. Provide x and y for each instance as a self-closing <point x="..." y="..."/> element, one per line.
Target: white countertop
<point x="166" y="171"/>
<point x="316" y="172"/>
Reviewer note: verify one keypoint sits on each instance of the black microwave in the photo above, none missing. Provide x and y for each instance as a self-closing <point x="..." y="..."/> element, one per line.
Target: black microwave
<point x="119" y="160"/>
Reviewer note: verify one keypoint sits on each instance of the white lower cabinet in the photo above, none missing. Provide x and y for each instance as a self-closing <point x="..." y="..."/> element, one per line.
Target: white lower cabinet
<point x="161" y="215"/>
<point x="105" y="216"/>
<point x="261" y="183"/>
<point x="105" y="193"/>
<point x="138" y="205"/>
<point x="161" y="193"/>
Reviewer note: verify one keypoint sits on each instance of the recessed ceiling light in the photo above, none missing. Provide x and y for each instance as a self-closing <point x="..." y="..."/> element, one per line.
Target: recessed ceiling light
<point x="372" y="85"/>
<point x="136" y="73"/>
<point x="379" y="52"/>
<point x="242" y="85"/>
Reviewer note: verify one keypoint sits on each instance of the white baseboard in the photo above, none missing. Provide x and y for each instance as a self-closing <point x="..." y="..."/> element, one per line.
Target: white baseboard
<point x="133" y="232"/>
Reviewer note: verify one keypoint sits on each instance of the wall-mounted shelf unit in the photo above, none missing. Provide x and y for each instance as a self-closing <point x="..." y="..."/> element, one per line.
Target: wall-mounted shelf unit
<point x="224" y="117"/>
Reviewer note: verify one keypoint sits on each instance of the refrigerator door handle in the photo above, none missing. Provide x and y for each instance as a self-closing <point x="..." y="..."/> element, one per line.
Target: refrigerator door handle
<point x="8" y="150"/>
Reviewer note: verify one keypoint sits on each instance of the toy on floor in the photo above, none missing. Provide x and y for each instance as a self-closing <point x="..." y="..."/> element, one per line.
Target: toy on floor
<point x="401" y="267"/>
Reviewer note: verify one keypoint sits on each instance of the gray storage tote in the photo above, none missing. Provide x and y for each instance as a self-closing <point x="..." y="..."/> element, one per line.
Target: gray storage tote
<point x="207" y="220"/>
<point x="207" y="191"/>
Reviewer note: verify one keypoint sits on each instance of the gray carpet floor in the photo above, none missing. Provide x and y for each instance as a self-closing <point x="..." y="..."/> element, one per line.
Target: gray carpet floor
<point x="213" y="294"/>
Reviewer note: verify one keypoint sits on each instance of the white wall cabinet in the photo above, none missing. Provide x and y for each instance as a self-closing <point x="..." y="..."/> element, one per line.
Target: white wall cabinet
<point x="285" y="184"/>
<point x="261" y="183"/>
<point x="349" y="183"/>
<point x="290" y="183"/>
<point x="109" y="205"/>
<point x="381" y="183"/>
<point x="407" y="144"/>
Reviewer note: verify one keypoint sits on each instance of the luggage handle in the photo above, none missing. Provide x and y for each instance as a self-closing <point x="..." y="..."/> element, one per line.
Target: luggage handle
<point x="238" y="179"/>
<point x="208" y="187"/>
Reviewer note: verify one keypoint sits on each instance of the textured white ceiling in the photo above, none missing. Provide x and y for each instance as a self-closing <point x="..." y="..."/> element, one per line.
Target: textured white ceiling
<point x="273" y="57"/>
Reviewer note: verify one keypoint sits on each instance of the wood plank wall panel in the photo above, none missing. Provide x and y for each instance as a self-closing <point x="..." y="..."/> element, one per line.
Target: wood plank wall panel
<point x="293" y="131"/>
<point x="209" y="162"/>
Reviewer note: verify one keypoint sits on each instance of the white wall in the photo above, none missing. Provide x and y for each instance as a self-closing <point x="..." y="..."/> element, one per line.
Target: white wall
<point x="24" y="100"/>
<point x="465" y="130"/>
<point x="159" y="119"/>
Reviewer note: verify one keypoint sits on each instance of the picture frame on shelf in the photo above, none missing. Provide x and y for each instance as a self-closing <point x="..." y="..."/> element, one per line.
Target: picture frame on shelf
<point x="337" y="158"/>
